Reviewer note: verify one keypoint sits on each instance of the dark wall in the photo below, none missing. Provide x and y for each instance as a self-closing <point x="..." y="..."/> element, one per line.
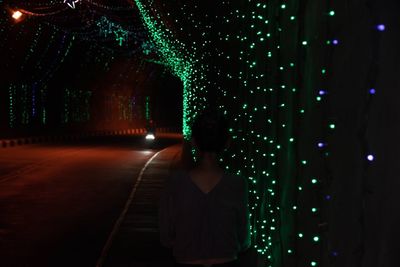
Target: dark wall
<point x="365" y="212"/>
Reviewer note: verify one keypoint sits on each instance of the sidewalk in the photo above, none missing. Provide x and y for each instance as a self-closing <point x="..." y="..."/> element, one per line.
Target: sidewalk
<point x="136" y="244"/>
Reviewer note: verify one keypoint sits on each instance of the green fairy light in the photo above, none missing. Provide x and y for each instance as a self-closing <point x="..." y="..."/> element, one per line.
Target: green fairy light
<point x="121" y="36"/>
<point x="180" y="62"/>
<point x="147" y="108"/>
<point x="12" y="106"/>
<point x="251" y="60"/>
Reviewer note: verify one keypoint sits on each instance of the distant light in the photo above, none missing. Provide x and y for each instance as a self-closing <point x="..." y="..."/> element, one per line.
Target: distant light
<point x="17" y="15"/>
<point x="381" y="27"/>
<point x="71" y="3"/>
<point x="321" y="145"/>
<point x="150" y="136"/>
<point x="322" y="92"/>
<point x="372" y="91"/>
<point x="328" y="197"/>
<point x="146" y="152"/>
<point x="335" y="42"/>
<point x="370" y="157"/>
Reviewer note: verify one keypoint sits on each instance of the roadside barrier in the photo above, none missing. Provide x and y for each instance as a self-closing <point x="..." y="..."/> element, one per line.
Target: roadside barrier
<point x="7" y="143"/>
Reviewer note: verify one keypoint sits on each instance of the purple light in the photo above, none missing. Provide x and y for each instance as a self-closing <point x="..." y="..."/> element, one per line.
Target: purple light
<point x="321" y="145"/>
<point x="381" y="27"/>
<point x="322" y="92"/>
<point x="372" y="91"/>
<point x="328" y="197"/>
<point x="335" y="253"/>
<point x="335" y="42"/>
<point x="370" y="157"/>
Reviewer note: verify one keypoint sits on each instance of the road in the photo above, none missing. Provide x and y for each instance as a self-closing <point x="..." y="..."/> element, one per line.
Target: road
<point x="59" y="203"/>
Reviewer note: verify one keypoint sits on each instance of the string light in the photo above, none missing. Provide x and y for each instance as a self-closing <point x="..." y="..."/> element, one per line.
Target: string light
<point x="17" y="15"/>
<point x="381" y="27"/>
<point x="71" y="3"/>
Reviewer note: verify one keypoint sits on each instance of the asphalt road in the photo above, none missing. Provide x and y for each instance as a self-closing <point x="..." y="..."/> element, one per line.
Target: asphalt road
<point x="59" y="203"/>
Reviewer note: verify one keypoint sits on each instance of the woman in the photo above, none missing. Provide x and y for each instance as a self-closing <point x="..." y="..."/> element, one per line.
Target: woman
<point x="203" y="212"/>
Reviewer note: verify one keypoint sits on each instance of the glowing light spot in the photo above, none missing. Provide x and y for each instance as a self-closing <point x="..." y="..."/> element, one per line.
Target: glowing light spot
<point x="381" y="27"/>
<point x="17" y="15"/>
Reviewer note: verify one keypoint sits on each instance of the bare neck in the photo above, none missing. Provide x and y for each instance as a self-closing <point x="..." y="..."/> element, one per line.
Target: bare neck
<point x="208" y="162"/>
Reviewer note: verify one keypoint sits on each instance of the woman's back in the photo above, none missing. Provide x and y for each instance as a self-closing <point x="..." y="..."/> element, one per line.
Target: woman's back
<point x="204" y="214"/>
<point x="205" y="224"/>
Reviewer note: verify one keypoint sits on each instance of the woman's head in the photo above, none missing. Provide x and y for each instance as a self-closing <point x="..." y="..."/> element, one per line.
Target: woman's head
<point x="210" y="132"/>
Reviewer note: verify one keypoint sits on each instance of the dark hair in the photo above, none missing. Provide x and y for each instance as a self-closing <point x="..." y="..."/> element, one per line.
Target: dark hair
<point x="210" y="131"/>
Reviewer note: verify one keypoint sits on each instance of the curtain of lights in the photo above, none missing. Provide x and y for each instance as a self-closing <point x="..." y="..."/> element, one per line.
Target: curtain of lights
<point x="265" y="65"/>
<point x="73" y="64"/>
<point x="297" y="80"/>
